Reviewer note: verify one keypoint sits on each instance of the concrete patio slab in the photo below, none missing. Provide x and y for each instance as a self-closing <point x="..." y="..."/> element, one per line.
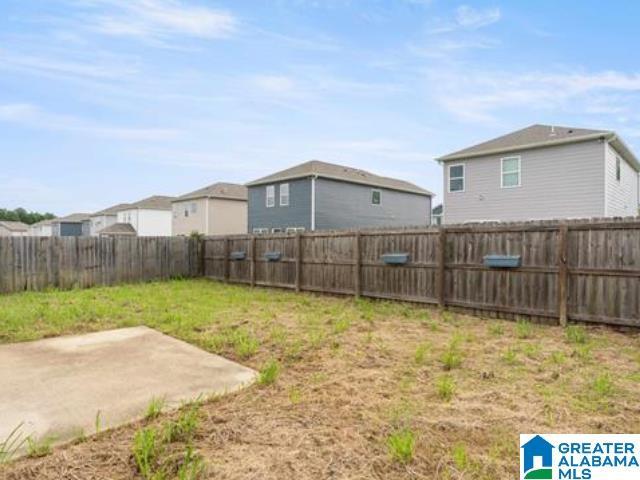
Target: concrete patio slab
<point x="62" y="387"/>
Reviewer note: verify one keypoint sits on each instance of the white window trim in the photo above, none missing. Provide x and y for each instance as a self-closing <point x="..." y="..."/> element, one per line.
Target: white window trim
<point x="380" y="192"/>
<point x="260" y="231"/>
<point x="282" y="204"/>
<point x="519" y="171"/>
<point x="294" y="229"/>
<point x="464" y="177"/>
<point x="271" y="188"/>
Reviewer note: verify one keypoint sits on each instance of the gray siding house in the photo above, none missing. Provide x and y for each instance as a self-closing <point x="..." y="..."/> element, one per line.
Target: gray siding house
<point x="322" y="196"/>
<point x="74" y="225"/>
<point x="541" y="172"/>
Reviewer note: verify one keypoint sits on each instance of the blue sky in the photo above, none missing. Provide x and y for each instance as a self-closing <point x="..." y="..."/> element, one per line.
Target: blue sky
<point x="108" y="101"/>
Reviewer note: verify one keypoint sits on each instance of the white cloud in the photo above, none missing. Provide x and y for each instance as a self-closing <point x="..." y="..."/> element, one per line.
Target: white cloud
<point x="278" y="84"/>
<point x="479" y="96"/>
<point x="158" y="19"/>
<point x="93" y="68"/>
<point x="31" y="116"/>
<point x="469" y="17"/>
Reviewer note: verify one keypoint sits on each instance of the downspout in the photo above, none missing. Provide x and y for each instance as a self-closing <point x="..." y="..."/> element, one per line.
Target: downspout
<point x="313" y="202"/>
<point x="206" y="218"/>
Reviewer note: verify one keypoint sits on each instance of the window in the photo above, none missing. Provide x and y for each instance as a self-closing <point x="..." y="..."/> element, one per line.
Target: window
<point x="176" y="211"/>
<point x="194" y="207"/>
<point x="260" y="231"/>
<point x="271" y="196"/>
<point x="456" y="178"/>
<point x="295" y="229"/>
<point x="284" y="194"/>
<point x="276" y="230"/>
<point x="376" y="197"/>
<point x="510" y="171"/>
<point x="618" y="169"/>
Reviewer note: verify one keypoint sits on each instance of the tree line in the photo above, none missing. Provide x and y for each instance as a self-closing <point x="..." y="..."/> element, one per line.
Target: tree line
<point x="21" y="215"/>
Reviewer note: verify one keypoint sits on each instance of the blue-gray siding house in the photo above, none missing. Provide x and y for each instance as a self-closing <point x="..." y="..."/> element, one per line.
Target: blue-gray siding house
<point x="74" y="225"/>
<point x="322" y="196"/>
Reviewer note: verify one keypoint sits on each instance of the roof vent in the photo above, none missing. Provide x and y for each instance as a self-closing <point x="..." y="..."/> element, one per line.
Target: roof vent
<point x="570" y="131"/>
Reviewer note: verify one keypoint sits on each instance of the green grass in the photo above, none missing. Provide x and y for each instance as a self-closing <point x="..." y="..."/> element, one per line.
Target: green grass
<point x="154" y="409"/>
<point x="39" y="447"/>
<point x="576" y="334"/>
<point x="420" y="355"/>
<point x="269" y="373"/>
<point x="401" y="445"/>
<point x="9" y="446"/>
<point x="445" y="386"/>
<point x="460" y="456"/>
<point x="524" y="329"/>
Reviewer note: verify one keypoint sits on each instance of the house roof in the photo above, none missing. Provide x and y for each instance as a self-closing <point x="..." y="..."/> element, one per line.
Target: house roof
<point x="14" y="226"/>
<point x="111" y="210"/>
<point x="125" y="229"/>
<point x="340" y="172"/>
<point x="437" y="210"/>
<point x="536" y="136"/>
<point x="230" y="191"/>
<point x="73" y="218"/>
<point x="43" y="222"/>
<point x="155" y="202"/>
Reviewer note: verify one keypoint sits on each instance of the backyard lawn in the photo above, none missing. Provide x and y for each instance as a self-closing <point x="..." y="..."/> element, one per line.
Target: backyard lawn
<point x="348" y="389"/>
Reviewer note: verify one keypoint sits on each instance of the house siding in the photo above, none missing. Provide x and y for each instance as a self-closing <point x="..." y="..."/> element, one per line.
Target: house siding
<point x="184" y="222"/>
<point x="100" y="222"/>
<point x="343" y="205"/>
<point x="227" y="217"/>
<point x="147" y="222"/>
<point x="296" y="214"/>
<point x="564" y="181"/>
<point x="621" y="196"/>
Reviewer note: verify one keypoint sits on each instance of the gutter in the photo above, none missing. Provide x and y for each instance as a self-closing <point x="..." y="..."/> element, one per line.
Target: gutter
<point x="610" y="136"/>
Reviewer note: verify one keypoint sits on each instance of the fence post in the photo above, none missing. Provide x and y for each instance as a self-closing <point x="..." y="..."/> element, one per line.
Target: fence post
<point x="226" y="259"/>
<point x="563" y="276"/>
<point x="253" y="261"/>
<point x="203" y="257"/>
<point x="357" y="275"/>
<point x="442" y="258"/>
<point x="298" y="261"/>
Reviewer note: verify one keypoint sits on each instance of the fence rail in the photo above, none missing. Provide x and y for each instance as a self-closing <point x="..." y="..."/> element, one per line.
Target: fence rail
<point x="580" y="270"/>
<point x="37" y="263"/>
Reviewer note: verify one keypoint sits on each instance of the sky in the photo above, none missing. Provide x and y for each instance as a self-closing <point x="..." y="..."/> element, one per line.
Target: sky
<point x="110" y="101"/>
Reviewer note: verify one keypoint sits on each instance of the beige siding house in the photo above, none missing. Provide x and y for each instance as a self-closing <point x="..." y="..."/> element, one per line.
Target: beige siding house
<point x="13" y="229"/>
<point x="218" y="209"/>
<point x="541" y="172"/>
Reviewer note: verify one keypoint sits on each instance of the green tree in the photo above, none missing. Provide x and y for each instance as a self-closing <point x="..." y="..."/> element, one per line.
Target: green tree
<point x="24" y="216"/>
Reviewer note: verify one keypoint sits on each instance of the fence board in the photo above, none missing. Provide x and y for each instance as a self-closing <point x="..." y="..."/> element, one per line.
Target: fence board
<point x="601" y="274"/>
<point x="37" y="263"/>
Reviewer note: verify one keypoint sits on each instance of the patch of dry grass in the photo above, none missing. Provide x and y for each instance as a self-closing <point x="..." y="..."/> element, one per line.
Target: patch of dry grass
<point x="354" y="389"/>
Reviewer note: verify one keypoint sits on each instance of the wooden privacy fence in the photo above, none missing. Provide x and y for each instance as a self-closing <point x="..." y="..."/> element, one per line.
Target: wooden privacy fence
<point x="36" y="263"/>
<point x="579" y="270"/>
